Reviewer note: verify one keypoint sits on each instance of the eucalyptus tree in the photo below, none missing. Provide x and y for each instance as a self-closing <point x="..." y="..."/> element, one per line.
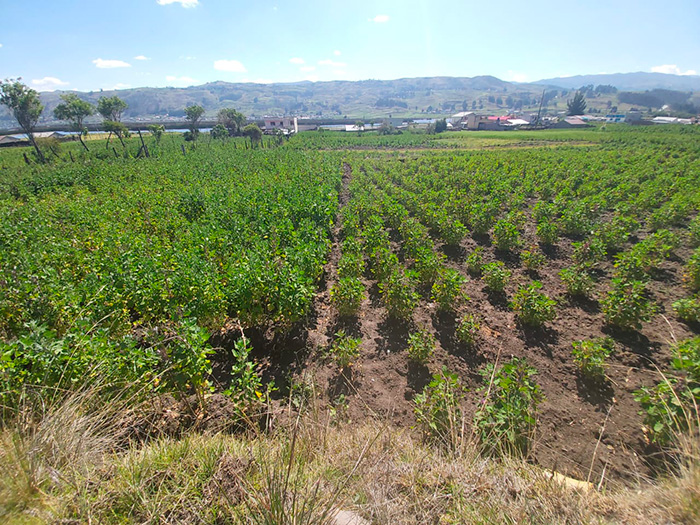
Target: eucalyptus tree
<point x="74" y="110"/>
<point x="25" y="105"/>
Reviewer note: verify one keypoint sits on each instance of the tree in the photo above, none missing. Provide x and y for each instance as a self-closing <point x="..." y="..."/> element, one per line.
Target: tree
<point x="254" y="133"/>
<point x="440" y="125"/>
<point x="25" y="105"/>
<point x="577" y="106"/>
<point x="232" y="120"/>
<point x="111" y="109"/>
<point x="75" y="111"/>
<point x="193" y="115"/>
<point x="386" y="128"/>
<point x="360" y="125"/>
<point x="219" y="132"/>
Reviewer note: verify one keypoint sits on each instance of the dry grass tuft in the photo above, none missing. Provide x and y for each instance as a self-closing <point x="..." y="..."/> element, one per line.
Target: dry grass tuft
<point x="65" y="462"/>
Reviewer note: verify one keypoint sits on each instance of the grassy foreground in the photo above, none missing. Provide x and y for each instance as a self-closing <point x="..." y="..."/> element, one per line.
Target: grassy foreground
<point x="76" y="464"/>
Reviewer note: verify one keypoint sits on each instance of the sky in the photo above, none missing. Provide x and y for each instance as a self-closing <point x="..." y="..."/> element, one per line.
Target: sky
<point x="116" y="44"/>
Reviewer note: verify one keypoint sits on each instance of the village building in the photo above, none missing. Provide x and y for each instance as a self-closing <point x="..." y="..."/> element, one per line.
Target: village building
<point x="285" y="124"/>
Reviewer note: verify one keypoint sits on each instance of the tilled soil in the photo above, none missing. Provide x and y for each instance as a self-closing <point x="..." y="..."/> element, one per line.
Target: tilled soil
<point x="585" y="430"/>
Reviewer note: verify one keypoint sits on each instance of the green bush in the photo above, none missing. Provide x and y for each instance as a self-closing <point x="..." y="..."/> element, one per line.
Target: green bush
<point x="447" y="291"/>
<point x="590" y="355"/>
<point x="496" y="276"/>
<point x="694" y="231"/>
<point x="506" y="419"/>
<point x="347" y="295"/>
<point x="468" y="330"/>
<point x="345" y="349"/>
<point x="691" y="272"/>
<point x="548" y="232"/>
<point x="614" y="234"/>
<point x="532" y="259"/>
<point x="246" y="385"/>
<point x="421" y="346"/>
<point x="671" y="407"/>
<point x="688" y="309"/>
<point x="588" y="253"/>
<point x="475" y="261"/>
<point x="578" y="282"/>
<point x="351" y="264"/>
<point x="506" y="235"/>
<point x="532" y="307"/>
<point x="438" y="411"/>
<point x="398" y="294"/>
<point x="173" y="358"/>
<point x="626" y="305"/>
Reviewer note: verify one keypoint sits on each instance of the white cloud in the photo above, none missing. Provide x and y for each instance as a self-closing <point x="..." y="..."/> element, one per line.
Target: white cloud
<point x="512" y="76"/>
<point x="312" y="78"/>
<point x="672" y="69"/>
<point x="336" y="53"/>
<point x="231" y="66"/>
<point x="307" y="69"/>
<point x="122" y="86"/>
<point x="188" y="81"/>
<point x="296" y="60"/>
<point x="141" y="57"/>
<point x="109" y="64"/>
<point x="187" y="57"/>
<point x="331" y="63"/>
<point x="0" y="45"/>
<point x="380" y="19"/>
<point x="183" y="3"/>
<point x="48" y="83"/>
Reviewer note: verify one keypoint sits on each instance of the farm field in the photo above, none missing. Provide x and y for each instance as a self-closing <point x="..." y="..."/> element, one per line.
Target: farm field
<point x="522" y="291"/>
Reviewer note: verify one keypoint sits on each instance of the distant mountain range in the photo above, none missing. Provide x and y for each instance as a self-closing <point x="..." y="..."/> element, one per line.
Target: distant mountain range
<point x="368" y="99"/>
<point x="628" y="81"/>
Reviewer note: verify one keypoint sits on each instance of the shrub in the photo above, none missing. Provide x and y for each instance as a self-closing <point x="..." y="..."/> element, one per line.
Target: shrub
<point x="626" y="305"/>
<point x="506" y="235"/>
<point x="447" y="291"/>
<point x="452" y="231"/>
<point x="575" y="220"/>
<point x="345" y="349"/>
<point x="383" y="262"/>
<point x="533" y="308"/>
<point x="532" y="259"/>
<point x="671" y="407"/>
<point x="688" y="309"/>
<point x="468" y="330"/>
<point x="421" y="345"/>
<point x="588" y="253"/>
<point x="475" y="261"/>
<point x="578" y="281"/>
<point x="691" y="273"/>
<point x="694" y="232"/>
<point x="246" y="385"/>
<point x="590" y="356"/>
<point x="548" y="232"/>
<point x="496" y="276"/>
<point x="614" y="234"/>
<point x="427" y="266"/>
<point x="481" y="218"/>
<point x="347" y="295"/>
<point x="351" y="264"/>
<point x="398" y="294"/>
<point x="506" y="419"/>
<point x="645" y="257"/>
<point x="437" y="409"/>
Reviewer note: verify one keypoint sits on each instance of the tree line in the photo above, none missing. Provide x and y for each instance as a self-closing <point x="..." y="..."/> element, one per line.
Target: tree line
<point x="26" y="107"/>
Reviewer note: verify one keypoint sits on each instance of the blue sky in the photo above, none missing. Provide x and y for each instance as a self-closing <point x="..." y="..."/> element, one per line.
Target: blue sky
<point x="89" y="45"/>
